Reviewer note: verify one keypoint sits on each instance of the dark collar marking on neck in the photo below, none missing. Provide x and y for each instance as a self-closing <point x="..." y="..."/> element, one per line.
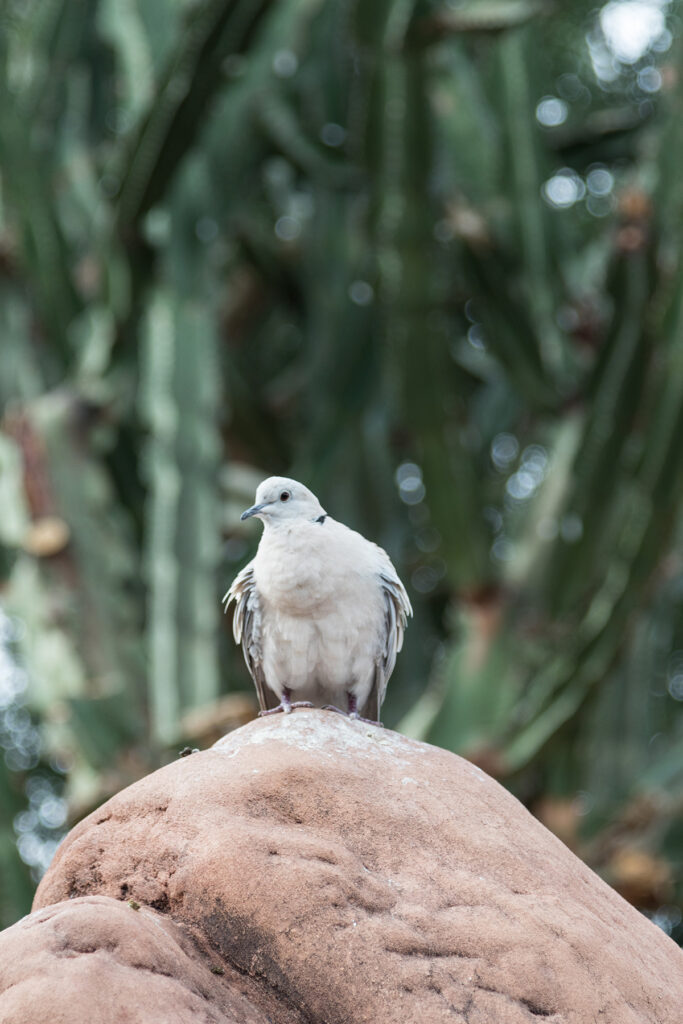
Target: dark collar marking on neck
<point x="321" y="519"/>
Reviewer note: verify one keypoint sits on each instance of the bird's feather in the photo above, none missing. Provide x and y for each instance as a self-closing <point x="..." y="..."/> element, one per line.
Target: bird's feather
<point x="246" y="629"/>
<point x="397" y="610"/>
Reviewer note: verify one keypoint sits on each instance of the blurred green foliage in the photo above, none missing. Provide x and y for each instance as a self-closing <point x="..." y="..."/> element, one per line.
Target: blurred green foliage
<point x="425" y="256"/>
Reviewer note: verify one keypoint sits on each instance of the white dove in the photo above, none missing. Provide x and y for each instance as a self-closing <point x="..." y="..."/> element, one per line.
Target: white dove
<point x="320" y="611"/>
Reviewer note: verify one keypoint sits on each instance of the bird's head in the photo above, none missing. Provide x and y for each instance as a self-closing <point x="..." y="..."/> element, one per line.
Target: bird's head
<point x="279" y="500"/>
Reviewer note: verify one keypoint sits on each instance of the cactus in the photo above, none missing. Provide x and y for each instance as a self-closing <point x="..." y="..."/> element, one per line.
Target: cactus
<point x="179" y="402"/>
<point x="320" y="238"/>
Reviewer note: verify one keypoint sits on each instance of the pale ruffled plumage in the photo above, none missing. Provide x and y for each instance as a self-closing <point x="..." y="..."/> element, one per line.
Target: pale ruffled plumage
<point x="320" y="610"/>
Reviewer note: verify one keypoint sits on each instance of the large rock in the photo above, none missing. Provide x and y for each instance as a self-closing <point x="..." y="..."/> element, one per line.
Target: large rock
<point x="96" y="961"/>
<point x="354" y="875"/>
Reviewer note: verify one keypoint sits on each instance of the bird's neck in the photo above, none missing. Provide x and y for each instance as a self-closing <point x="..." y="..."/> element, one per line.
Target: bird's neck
<point x="283" y="527"/>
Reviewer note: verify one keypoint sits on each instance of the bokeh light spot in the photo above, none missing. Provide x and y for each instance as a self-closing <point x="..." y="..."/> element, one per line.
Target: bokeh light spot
<point x="361" y="293"/>
<point x="551" y="112"/>
<point x="332" y="134"/>
<point x="504" y="450"/>
<point x="285" y="63"/>
<point x="287" y="229"/>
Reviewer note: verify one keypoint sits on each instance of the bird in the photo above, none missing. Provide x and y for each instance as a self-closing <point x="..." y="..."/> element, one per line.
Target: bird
<point x="320" y="611"/>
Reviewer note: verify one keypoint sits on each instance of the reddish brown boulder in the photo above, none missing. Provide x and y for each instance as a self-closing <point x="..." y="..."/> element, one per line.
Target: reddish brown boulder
<point x="96" y="960"/>
<point x="355" y="875"/>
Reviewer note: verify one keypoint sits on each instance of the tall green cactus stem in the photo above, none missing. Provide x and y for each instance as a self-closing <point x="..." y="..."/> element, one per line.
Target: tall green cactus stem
<point x="415" y="359"/>
<point x="179" y="402"/>
<point x="215" y="29"/>
<point x="523" y="155"/>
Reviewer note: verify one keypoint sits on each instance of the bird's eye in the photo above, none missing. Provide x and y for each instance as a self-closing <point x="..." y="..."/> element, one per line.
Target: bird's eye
<point x="285" y="496"/>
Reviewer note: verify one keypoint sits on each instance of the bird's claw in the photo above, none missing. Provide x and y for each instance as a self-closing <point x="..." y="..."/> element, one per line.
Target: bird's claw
<point x="285" y="708"/>
<point x="351" y="714"/>
<point x="368" y="721"/>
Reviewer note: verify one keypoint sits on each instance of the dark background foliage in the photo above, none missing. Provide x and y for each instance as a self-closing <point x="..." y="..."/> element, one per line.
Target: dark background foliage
<point x="424" y="256"/>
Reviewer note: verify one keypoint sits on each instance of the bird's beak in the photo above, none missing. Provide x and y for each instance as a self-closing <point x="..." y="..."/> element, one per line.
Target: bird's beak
<point x="253" y="511"/>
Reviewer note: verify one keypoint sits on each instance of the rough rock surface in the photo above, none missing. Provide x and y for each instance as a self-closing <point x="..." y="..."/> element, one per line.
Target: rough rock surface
<point x="354" y="875"/>
<point x="96" y="960"/>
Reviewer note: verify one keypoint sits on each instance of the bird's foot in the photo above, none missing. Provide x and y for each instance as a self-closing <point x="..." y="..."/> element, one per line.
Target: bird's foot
<point x="331" y="707"/>
<point x="351" y="714"/>
<point x="353" y="709"/>
<point x="286" y="707"/>
<point x="368" y="721"/>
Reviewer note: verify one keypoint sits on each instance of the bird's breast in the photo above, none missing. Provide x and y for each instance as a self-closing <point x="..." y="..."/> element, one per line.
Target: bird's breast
<point x="304" y="572"/>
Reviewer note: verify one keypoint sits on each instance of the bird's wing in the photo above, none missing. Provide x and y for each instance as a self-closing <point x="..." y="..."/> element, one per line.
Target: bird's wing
<point x="247" y="630"/>
<point x="397" y="609"/>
